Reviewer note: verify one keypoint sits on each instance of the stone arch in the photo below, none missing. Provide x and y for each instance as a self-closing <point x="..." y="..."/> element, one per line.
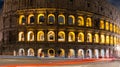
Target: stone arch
<point x="96" y="53"/>
<point x="51" y="53"/>
<point x="89" y="53"/>
<point x="30" y="52"/>
<point x="81" y="53"/>
<point x="61" y="53"/>
<point x="41" y="53"/>
<point x="21" y="52"/>
<point x="71" y="53"/>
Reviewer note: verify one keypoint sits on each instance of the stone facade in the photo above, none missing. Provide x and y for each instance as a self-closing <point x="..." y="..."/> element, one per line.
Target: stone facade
<point x="96" y="10"/>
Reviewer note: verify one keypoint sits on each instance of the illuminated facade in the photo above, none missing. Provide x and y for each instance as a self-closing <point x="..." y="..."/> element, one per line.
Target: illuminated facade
<point x="60" y="28"/>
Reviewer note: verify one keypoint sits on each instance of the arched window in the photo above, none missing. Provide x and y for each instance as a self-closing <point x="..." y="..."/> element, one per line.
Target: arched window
<point x="51" y="19"/>
<point x="80" y="37"/>
<point x="89" y="37"/>
<point x="30" y="36"/>
<point x="107" y="39"/>
<point x="111" y="40"/>
<point x="31" y="52"/>
<point x="101" y="24"/>
<point x="88" y="22"/>
<point x="80" y="21"/>
<point x="31" y="19"/>
<point x="111" y="27"/>
<point x="115" y="40"/>
<point x="96" y="38"/>
<point x="61" y="19"/>
<point x="114" y="28"/>
<point x="40" y="36"/>
<point x="102" y="39"/>
<point x="107" y="26"/>
<point x="71" y="36"/>
<point x="61" y="36"/>
<point x="22" y="20"/>
<point x="51" y="36"/>
<point x="21" y="36"/>
<point x="41" y="19"/>
<point x="71" y="20"/>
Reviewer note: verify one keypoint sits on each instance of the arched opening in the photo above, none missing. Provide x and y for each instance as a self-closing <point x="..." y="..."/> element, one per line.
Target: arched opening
<point x="81" y="53"/>
<point x="41" y="53"/>
<point x="61" y="19"/>
<point x="71" y="53"/>
<point x="102" y="53"/>
<point x="61" y="53"/>
<point x="107" y="26"/>
<point x="51" y="36"/>
<point x="107" y="53"/>
<point x="71" y="20"/>
<point x="80" y="21"/>
<point x="31" y="19"/>
<point x="111" y="27"/>
<point x="21" y="52"/>
<point x="89" y="37"/>
<point x="80" y="37"/>
<point x="40" y="19"/>
<point x="71" y="37"/>
<point x="96" y="53"/>
<point x="107" y="39"/>
<point x="96" y="38"/>
<point x="102" y="24"/>
<point x="40" y="36"/>
<point x="22" y="20"/>
<point x="61" y="36"/>
<point x="51" y="53"/>
<point x="51" y="19"/>
<point x="21" y="36"/>
<point x="30" y="52"/>
<point x="89" y="54"/>
<point x="102" y="39"/>
<point x="88" y="22"/>
<point x="30" y="36"/>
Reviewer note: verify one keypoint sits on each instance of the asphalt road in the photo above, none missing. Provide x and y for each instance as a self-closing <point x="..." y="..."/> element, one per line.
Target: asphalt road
<point x="20" y="63"/>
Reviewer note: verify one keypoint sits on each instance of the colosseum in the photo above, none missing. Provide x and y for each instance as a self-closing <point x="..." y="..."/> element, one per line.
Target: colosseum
<point x="60" y="28"/>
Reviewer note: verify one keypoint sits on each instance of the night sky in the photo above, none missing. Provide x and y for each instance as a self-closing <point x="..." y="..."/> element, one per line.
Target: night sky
<point x="114" y="2"/>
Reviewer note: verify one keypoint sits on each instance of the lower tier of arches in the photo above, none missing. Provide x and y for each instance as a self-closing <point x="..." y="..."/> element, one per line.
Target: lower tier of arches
<point x="65" y="53"/>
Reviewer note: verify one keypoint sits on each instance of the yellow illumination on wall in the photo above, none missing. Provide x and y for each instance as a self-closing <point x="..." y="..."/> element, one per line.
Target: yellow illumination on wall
<point x="63" y="19"/>
<point x="71" y="36"/>
<point x="102" y="39"/>
<point x="107" y="26"/>
<point x="39" y="18"/>
<point x="73" y="21"/>
<point x="115" y="40"/>
<point x="80" y="37"/>
<point x="51" y="36"/>
<point x="61" y="36"/>
<point x="88" y="22"/>
<point x="96" y="38"/>
<point x="89" y="37"/>
<point x="80" y="21"/>
<point x="107" y="39"/>
<point x="21" y="36"/>
<point x="111" y="27"/>
<point x="111" y="40"/>
<point x="101" y="24"/>
<point x="31" y="15"/>
<point x="30" y="36"/>
<point x="20" y="20"/>
<point x="40" y="36"/>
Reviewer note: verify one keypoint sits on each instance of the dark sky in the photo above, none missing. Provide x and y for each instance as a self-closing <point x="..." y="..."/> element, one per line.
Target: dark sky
<point x="114" y="2"/>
